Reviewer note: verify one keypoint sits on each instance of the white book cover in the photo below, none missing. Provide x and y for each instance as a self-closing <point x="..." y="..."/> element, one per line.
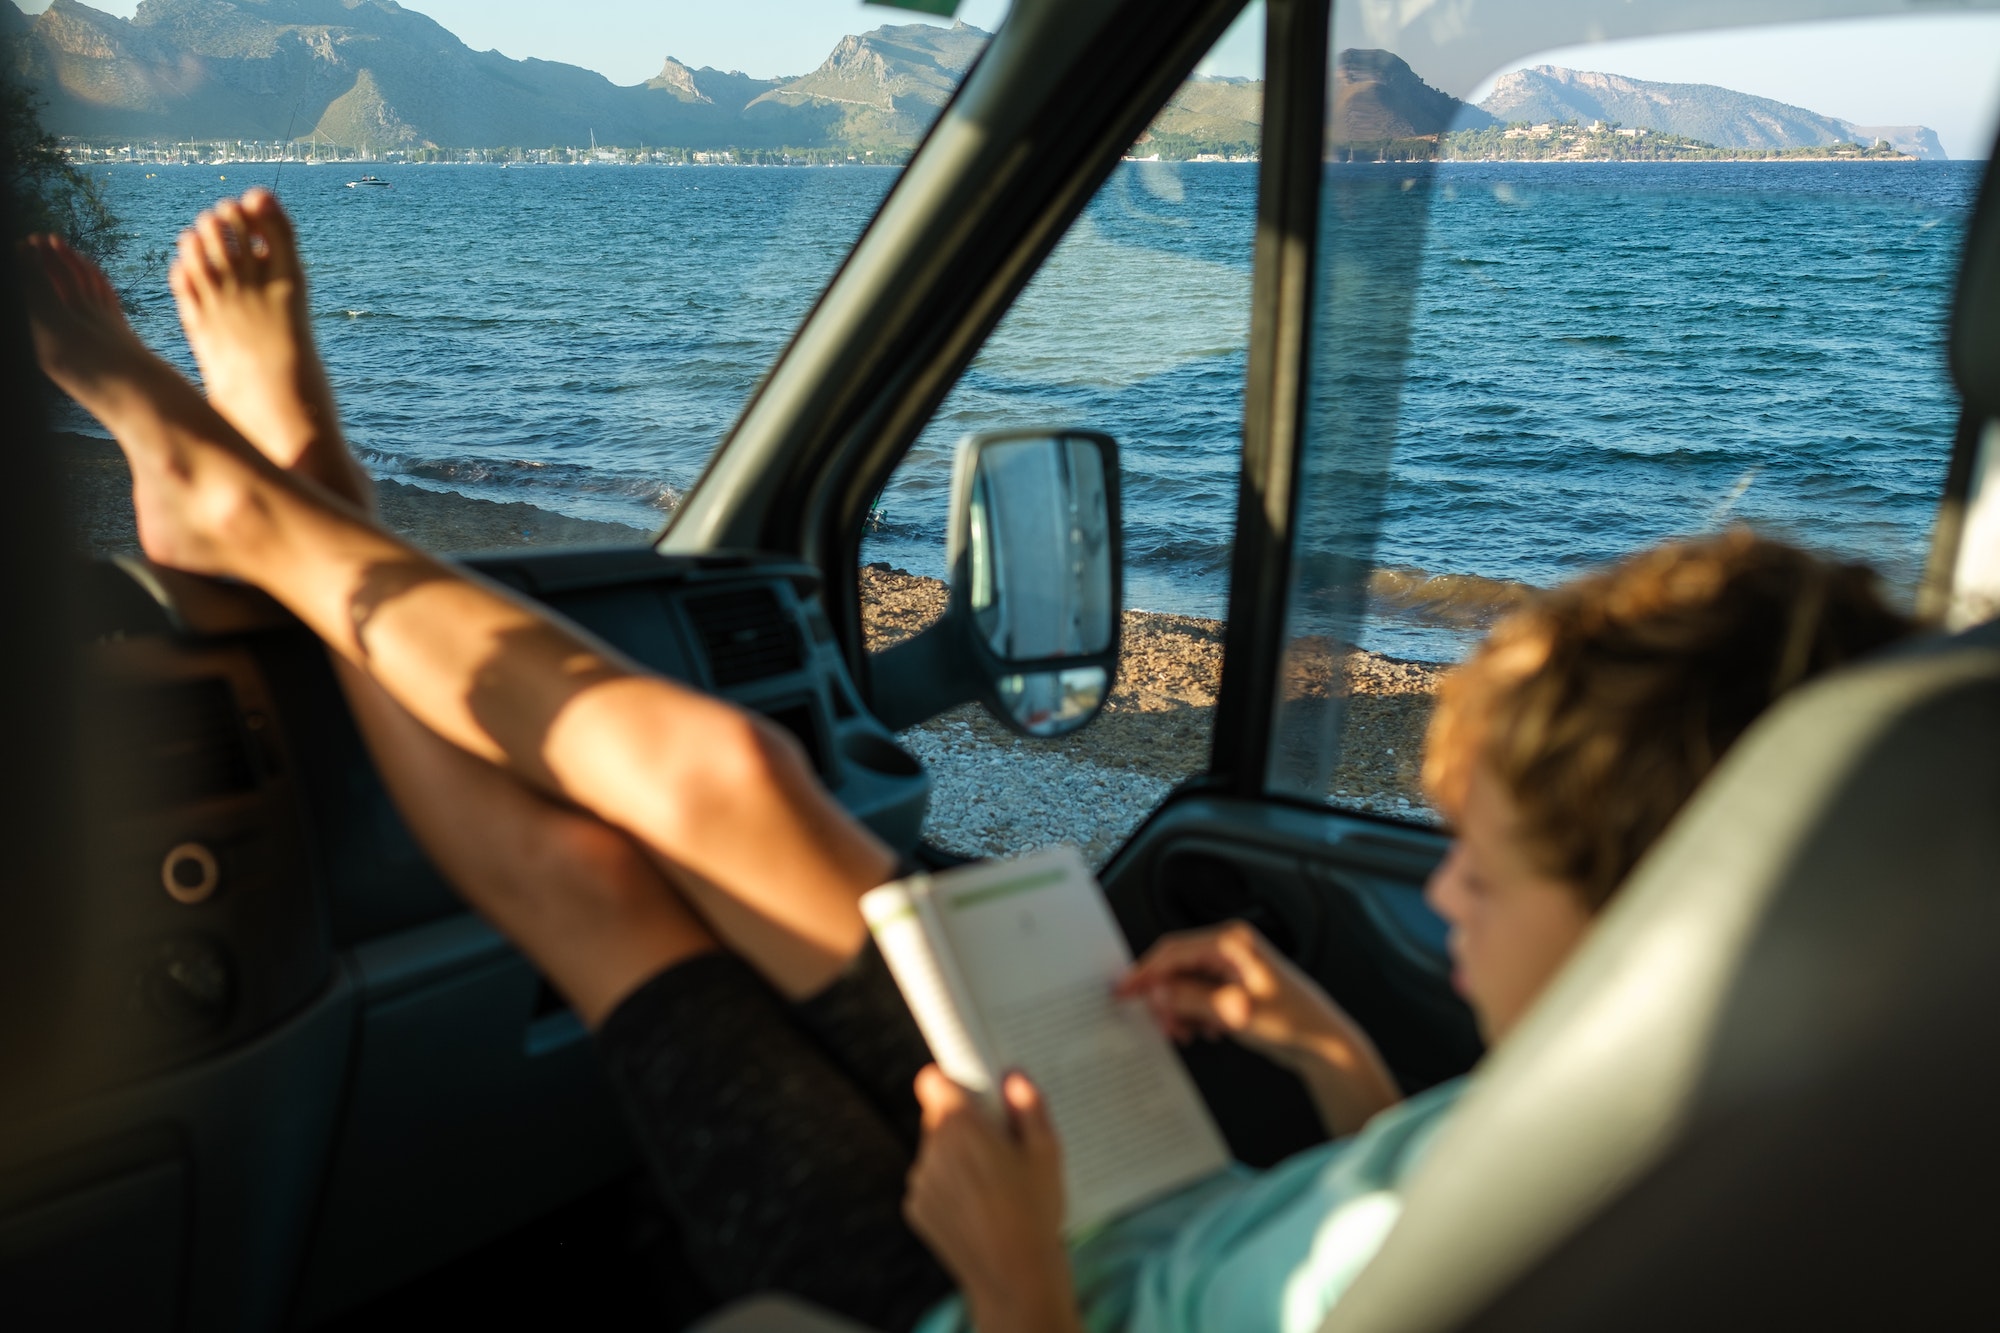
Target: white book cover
<point x="1011" y="965"/>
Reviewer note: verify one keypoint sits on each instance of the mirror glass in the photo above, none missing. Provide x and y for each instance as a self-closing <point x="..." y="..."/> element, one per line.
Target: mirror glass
<point x="1053" y="703"/>
<point x="1038" y="560"/>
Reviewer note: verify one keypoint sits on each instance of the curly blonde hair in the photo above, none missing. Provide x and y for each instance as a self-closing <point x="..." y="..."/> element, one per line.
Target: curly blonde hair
<point x="1601" y="705"/>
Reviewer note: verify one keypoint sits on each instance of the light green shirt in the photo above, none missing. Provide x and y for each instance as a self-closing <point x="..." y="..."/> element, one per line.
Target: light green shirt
<point x="1251" y="1251"/>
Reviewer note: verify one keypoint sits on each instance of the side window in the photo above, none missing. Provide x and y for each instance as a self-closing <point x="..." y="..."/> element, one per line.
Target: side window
<point x="1612" y="295"/>
<point x="1137" y="326"/>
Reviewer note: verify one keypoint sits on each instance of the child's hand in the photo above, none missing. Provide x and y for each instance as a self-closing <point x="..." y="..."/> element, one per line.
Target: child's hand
<point x="988" y="1200"/>
<point x="1228" y="981"/>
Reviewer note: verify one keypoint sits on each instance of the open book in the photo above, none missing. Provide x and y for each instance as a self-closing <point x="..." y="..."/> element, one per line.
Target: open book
<point x="1010" y="965"/>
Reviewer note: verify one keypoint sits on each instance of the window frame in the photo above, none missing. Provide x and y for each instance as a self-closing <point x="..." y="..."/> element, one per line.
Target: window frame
<point x="1284" y="270"/>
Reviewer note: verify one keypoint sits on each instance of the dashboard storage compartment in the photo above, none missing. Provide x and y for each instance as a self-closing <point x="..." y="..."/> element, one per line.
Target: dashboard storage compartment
<point x="470" y="1112"/>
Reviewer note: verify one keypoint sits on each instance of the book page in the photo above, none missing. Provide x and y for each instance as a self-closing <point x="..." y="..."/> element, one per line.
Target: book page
<point x="1038" y="951"/>
<point x="898" y="917"/>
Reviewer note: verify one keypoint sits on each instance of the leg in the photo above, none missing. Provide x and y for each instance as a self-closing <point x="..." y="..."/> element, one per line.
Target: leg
<point x="782" y="1175"/>
<point x="861" y="1021"/>
<point x="588" y="908"/>
<point x="728" y="799"/>
<point x="576" y="896"/>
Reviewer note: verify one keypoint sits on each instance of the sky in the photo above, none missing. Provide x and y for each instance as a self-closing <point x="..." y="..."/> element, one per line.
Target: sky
<point x="1937" y="70"/>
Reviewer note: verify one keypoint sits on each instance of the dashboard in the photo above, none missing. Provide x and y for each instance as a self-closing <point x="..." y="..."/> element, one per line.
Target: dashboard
<point x="313" y="1073"/>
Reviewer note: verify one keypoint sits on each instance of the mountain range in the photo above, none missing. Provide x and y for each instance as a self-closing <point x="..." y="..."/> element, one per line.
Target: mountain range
<point x="372" y="75"/>
<point x="1701" y="111"/>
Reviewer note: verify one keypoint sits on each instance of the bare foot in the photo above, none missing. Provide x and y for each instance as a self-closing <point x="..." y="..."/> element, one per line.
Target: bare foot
<point x="192" y="476"/>
<point x="241" y="291"/>
<point x="81" y="334"/>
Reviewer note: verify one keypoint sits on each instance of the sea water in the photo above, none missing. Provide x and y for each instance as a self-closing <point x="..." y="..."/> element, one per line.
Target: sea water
<point x="1598" y="356"/>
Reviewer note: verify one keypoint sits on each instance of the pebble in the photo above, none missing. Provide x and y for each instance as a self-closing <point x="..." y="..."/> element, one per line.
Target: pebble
<point x="1002" y="799"/>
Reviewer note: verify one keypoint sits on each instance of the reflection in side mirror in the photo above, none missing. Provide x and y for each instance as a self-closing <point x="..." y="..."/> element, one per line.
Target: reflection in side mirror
<point x="1032" y="626"/>
<point x="1034" y="560"/>
<point x="1036" y="541"/>
<point x="1053" y="703"/>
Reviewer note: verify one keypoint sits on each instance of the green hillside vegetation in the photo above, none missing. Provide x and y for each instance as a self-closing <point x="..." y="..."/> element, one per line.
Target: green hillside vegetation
<point x="1208" y="118"/>
<point x="1571" y="142"/>
<point x="1407" y="148"/>
<point x="50" y="192"/>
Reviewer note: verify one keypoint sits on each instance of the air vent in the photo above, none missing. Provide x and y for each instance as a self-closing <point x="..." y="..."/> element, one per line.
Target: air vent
<point x="171" y="745"/>
<point x="746" y="634"/>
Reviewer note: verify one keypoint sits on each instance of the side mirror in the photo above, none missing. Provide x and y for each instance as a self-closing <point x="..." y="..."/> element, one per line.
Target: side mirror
<point x="1032" y="626"/>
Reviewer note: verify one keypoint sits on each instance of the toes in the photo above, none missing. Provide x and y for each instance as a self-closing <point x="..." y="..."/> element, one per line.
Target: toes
<point x="192" y="257"/>
<point x="182" y="283"/>
<point x="213" y="239"/>
<point x="101" y="284"/>
<point x="41" y="267"/>
<point x="267" y="219"/>
<point x="247" y="251"/>
<point x="92" y="282"/>
<point x="67" y="269"/>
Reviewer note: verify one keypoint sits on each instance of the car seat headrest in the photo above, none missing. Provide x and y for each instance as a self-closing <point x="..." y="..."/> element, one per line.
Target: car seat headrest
<point x="1862" y="802"/>
<point x="1975" y="320"/>
<point x="1845" y="1123"/>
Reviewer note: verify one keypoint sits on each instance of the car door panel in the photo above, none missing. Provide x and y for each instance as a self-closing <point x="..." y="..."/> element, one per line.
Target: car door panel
<point x="1340" y="895"/>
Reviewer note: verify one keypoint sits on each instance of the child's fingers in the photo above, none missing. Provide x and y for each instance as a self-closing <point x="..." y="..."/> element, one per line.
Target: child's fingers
<point x="1194" y="952"/>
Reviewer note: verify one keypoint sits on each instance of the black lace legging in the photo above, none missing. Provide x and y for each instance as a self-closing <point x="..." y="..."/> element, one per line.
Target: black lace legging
<point x="780" y="1134"/>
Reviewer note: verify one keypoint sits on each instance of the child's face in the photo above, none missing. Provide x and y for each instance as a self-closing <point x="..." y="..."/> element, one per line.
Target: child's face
<point x="1512" y="925"/>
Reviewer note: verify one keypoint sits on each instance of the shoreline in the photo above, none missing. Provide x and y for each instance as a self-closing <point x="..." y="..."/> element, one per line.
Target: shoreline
<point x="1159" y="721"/>
<point x="101" y="500"/>
<point x="996" y="792"/>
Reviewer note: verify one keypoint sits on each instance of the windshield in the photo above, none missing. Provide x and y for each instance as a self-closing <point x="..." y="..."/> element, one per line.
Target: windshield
<point x="551" y="248"/>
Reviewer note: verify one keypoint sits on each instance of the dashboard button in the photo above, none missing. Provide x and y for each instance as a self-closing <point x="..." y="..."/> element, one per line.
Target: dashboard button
<point x="190" y="873"/>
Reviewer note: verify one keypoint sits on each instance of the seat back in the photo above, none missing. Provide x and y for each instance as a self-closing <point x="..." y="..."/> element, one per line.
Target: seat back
<point x="1837" y="870"/>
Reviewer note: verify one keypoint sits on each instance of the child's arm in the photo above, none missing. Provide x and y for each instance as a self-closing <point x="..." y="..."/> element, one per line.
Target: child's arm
<point x="1228" y="981"/>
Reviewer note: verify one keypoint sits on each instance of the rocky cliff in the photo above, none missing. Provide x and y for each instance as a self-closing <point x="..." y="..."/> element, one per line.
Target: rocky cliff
<point x="1701" y="111"/>
<point x="882" y="88"/>
<point x="1377" y="97"/>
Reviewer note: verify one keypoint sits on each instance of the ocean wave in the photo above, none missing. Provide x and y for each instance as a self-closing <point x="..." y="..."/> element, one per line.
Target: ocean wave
<point x="555" y="485"/>
<point x="1448" y="601"/>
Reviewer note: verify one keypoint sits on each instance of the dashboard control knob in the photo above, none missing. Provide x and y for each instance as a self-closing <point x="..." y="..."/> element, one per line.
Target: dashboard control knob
<point x="188" y="984"/>
<point x="190" y="873"/>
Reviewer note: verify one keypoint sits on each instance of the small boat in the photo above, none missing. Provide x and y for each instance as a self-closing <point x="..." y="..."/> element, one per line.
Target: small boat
<point x="368" y="182"/>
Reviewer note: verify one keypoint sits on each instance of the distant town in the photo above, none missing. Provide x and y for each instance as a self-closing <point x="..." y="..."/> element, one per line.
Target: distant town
<point x="1519" y="142"/>
<point x="1608" y="141"/>
<point x="229" y="152"/>
<point x="240" y="152"/>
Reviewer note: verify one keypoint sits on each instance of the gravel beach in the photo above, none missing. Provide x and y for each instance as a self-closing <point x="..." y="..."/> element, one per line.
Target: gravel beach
<point x="996" y="793"/>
